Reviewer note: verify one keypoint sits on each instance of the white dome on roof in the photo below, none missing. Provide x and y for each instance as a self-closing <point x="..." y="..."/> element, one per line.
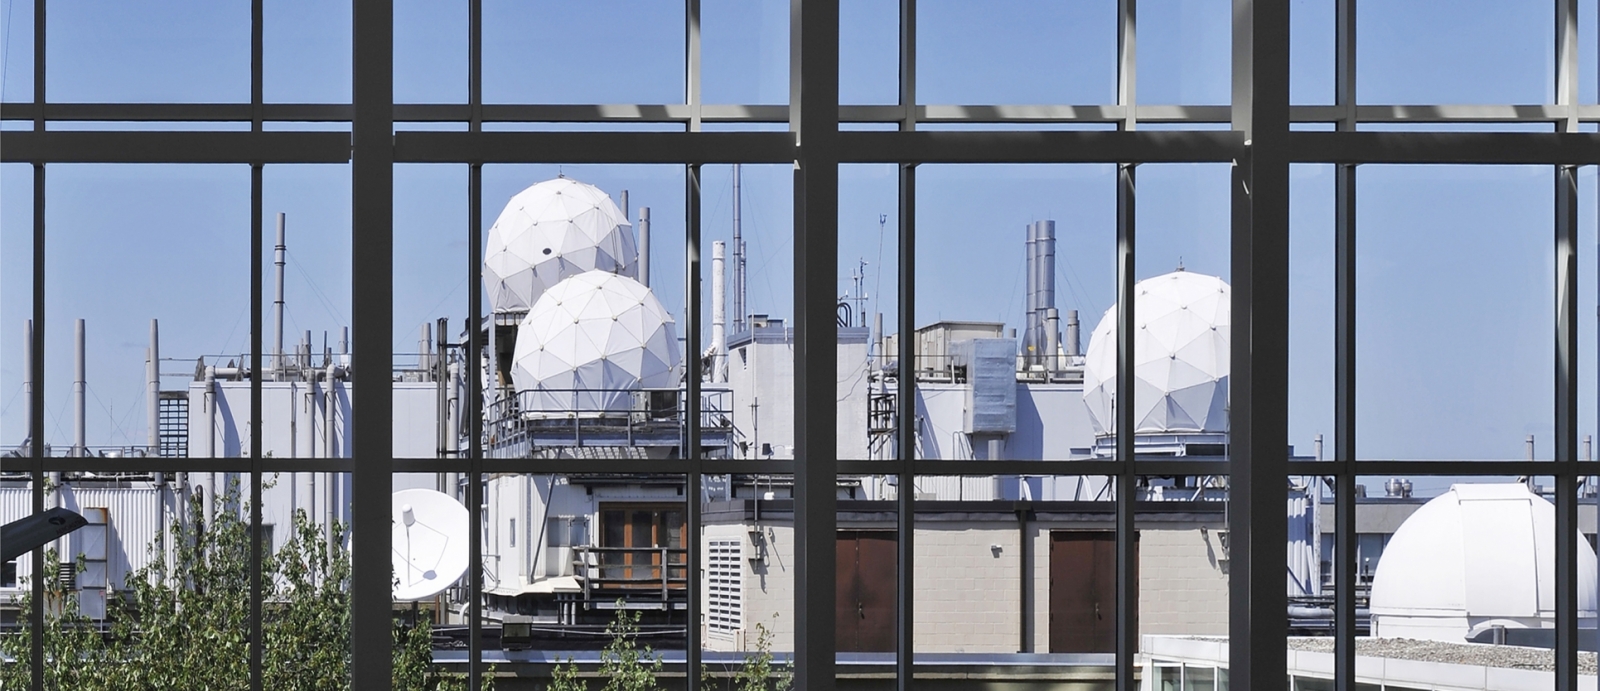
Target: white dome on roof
<point x="1477" y="556"/>
<point x="1180" y="358"/>
<point x="588" y="341"/>
<point x="552" y="231"/>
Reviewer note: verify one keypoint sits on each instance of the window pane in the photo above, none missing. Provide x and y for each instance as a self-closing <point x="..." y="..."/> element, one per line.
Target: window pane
<point x="585" y="354"/>
<point x="583" y="566"/>
<point x="557" y="52"/>
<point x="16" y="86"/>
<point x="757" y="393"/>
<point x="432" y="369"/>
<point x="307" y="52"/>
<point x="16" y="298"/>
<point x="1455" y="312"/>
<point x="430" y="52"/>
<point x="1311" y="52"/>
<point x="747" y="553"/>
<point x="1182" y="315"/>
<point x="307" y="545"/>
<point x="1311" y="301"/>
<point x="869" y="52"/>
<point x="308" y="392"/>
<point x="1184" y="562"/>
<point x="131" y="246"/>
<point x="975" y="301"/>
<point x="191" y="52"/>
<point x="1016" y="53"/>
<point x="744" y="53"/>
<point x="1185" y="52"/>
<point x="868" y="278"/>
<point x="1483" y="51"/>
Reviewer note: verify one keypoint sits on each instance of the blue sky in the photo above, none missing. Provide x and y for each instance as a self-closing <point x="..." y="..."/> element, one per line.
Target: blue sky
<point x="1455" y="263"/>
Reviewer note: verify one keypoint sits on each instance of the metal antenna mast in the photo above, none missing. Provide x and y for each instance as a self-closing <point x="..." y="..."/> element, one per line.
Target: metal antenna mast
<point x="739" y="311"/>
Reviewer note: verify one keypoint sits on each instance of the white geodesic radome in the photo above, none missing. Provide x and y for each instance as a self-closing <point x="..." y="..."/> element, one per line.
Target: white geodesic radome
<point x="1180" y="358"/>
<point x="550" y="232"/>
<point x="590" y="340"/>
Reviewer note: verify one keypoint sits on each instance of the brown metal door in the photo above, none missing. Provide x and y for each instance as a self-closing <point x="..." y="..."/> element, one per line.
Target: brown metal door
<point x="1083" y="592"/>
<point x="865" y="590"/>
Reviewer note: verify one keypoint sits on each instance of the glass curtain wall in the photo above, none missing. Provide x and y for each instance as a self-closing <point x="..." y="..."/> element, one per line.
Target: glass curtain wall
<point x="737" y="370"/>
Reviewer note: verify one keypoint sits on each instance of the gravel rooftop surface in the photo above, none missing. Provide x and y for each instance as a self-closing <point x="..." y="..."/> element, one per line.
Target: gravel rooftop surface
<point x="1509" y="656"/>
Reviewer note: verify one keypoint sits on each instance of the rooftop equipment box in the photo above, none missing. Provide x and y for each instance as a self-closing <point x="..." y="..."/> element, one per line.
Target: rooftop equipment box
<point x="990" y="365"/>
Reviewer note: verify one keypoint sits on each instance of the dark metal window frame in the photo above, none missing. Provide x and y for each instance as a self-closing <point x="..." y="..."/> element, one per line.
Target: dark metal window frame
<point x="1260" y="145"/>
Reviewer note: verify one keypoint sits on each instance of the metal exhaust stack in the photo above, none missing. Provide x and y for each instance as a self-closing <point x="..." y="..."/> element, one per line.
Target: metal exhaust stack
<point x="644" y="246"/>
<point x="80" y="386"/>
<point x="279" y="254"/>
<point x="719" y="313"/>
<point x="1030" y="331"/>
<point x="152" y="394"/>
<point x="1047" y="320"/>
<point x="1074" y="341"/>
<point x="740" y="311"/>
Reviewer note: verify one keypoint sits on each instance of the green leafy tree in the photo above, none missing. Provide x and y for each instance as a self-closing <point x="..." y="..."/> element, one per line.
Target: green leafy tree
<point x="186" y="626"/>
<point x="758" y="673"/>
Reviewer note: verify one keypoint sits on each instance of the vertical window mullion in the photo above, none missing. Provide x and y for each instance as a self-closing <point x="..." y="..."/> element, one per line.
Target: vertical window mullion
<point x="691" y="432"/>
<point x="1566" y="424"/>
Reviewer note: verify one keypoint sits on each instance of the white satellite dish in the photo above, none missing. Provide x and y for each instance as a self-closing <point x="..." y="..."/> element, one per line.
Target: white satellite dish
<point x="430" y="542"/>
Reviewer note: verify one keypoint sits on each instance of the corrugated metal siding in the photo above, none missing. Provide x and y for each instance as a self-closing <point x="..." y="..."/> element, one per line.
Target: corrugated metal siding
<point x="137" y="515"/>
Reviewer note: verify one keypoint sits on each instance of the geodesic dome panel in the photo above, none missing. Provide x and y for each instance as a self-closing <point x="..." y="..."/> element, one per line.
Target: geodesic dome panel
<point x="589" y="341"/>
<point x="552" y="231"/>
<point x="1180" y="358"/>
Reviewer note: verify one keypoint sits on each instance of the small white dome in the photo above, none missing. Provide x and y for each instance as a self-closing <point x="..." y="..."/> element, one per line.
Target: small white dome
<point x="1180" y="358"/>
<point x="588" y="341"/>
<point x="552" y="231"/>
<point x="1479" y="555"/>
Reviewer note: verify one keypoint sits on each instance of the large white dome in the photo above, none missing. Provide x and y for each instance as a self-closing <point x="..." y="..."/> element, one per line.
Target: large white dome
<point x="1479" y="555"/>
<point x="552" y="231"/>
<point x="588" y="341"/>
<point x="1180" y="358"/>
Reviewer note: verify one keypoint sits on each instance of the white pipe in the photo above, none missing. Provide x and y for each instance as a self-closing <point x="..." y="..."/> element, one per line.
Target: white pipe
<point x="209" y="408"/>
<point x="877" y="338"/>
<point x="1052" y="339"/>
<point x="452" y="411"/>
<point x="425" y="347"/>
<point x="330" y="439"/>
<point x="27" y="379"/>
<point x="719" y="314"/>
<point x="330" y="414"/>
<point x="644" y="246"/>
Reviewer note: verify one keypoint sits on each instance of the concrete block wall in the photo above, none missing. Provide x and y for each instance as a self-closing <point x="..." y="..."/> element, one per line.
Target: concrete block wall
<point x="1183" y="586"/>
<point x="968" y="597"/>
